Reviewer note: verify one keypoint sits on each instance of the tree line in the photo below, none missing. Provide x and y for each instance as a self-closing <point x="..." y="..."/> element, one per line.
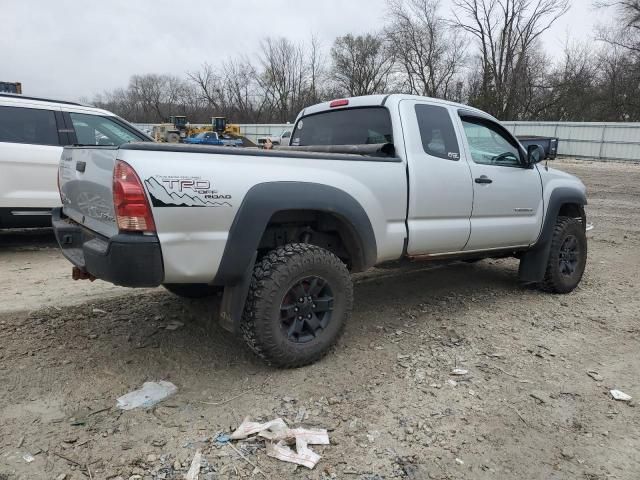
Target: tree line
<point x="486" y="53"/>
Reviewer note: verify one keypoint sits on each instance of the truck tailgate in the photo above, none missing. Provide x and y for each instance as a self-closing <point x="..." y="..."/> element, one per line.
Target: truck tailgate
<point x="86" y="183"/>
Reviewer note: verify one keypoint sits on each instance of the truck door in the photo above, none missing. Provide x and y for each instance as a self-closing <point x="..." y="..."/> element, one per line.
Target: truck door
<point x="440" y="186"/>
<point x="507" y="192"/>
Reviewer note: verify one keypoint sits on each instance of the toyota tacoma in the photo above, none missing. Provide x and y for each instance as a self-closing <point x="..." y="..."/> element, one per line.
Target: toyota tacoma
<point x="363" y="181"/>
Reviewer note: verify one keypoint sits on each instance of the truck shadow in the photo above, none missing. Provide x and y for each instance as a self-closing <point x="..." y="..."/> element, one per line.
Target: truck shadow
<point x="384" y="300"/>
<point x="26" y="239"/>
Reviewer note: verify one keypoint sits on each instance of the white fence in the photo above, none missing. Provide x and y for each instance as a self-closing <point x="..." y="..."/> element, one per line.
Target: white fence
<point x="602" y="141"/>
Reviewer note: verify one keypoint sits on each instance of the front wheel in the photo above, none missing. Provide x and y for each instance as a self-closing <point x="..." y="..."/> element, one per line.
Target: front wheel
<point x="299" y="299"/>
<point x="567" y="256"/>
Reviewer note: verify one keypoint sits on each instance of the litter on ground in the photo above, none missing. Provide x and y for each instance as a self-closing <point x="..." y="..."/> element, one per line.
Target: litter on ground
<point x="194" y="470"/>
<point x="147" y="396"/>
<point x="621" y="396"/>
<point x="279" y="436"/>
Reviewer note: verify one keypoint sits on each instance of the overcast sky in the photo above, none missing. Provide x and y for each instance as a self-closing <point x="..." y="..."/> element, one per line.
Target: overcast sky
<point x="77" y="48"/>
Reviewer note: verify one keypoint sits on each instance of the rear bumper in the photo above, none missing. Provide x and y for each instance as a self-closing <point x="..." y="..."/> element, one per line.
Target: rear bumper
<point x="128" y="260"/>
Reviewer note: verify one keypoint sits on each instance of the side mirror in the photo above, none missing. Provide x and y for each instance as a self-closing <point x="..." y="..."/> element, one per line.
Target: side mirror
<point x="535" y="154"/>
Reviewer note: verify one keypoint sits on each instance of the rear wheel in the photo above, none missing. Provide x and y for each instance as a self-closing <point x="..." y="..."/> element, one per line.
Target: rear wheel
<point x="191" y="290"/>
<point x="567" y="257"/>
<point x="299" y="300"/>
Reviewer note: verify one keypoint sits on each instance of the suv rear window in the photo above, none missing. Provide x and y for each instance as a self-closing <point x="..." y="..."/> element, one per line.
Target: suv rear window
<point x="28" y="125"/>
<point x="97" y="130"/>
<point x="351" y="126"/>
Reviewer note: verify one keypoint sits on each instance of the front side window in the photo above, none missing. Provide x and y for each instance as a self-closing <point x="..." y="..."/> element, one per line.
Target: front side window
<point x="489" y="145"/>
<point x="97" y="130"/>
<point x="28" y="125"/>
<point x="349" y="126"/>
<point x="437" y="133"/>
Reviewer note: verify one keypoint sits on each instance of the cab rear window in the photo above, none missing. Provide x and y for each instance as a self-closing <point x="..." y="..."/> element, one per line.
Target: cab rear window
<point x="351" y="126"/>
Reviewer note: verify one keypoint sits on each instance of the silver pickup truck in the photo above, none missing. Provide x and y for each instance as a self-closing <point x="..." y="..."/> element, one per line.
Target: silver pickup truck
<point x="363" y="181"/>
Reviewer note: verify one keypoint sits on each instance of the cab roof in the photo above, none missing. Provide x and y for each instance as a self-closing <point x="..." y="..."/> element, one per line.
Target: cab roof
<point x="387" y="100"/>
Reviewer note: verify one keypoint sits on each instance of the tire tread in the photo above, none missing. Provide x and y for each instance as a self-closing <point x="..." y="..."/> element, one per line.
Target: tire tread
<point x="273" y="270"/>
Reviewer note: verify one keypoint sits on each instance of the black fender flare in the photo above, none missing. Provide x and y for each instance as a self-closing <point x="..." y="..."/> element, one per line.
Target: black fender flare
<point x="534" y="262"/>
<point x="263" y="200"/>
<point x="259" y="205"/>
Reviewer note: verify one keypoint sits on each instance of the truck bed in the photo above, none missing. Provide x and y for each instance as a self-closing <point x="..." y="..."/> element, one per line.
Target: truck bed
<point x="381" y="151"/>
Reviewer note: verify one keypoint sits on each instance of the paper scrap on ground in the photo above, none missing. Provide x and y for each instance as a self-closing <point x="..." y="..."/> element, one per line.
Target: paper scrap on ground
<point x="279" y="436"/>
<point x="147" y="396"/>
<point x="618" y="395"/>
<point x="194" y="470"/>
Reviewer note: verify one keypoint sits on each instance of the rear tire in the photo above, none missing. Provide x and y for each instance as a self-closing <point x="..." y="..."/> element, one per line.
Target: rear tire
<point x="192" y="290"/>
<point x="567" y="256"/>
<point x="299" y="300"/>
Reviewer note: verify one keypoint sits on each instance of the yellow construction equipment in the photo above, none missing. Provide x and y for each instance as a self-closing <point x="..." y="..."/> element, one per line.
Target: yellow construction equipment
<point x="178" y="128"/>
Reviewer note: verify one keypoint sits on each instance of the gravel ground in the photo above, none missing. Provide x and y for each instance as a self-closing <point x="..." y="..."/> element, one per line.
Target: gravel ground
<point x="527" y="408"/>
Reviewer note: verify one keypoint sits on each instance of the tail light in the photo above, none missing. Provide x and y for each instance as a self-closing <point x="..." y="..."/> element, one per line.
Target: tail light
<point x="130" y="201"/>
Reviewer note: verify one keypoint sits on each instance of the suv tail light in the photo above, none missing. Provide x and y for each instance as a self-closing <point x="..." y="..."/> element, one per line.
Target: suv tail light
<point x="131" y="205"/>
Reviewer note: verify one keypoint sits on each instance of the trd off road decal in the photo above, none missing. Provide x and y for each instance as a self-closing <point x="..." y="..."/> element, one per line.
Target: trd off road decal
<point x="184" y="192"/>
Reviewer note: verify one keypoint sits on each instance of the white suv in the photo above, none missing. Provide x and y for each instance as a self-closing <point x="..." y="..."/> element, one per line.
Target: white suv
<point x="33" y="132"/>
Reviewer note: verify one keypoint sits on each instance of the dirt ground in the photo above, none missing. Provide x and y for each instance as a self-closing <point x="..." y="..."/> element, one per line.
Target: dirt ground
<point x="527" y="409"/>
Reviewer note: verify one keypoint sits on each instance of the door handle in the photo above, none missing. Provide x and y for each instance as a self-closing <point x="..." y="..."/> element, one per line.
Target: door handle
<point x="483" y="179"/>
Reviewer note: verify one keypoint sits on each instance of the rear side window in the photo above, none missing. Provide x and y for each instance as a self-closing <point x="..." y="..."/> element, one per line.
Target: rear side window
<point x="28" y="125"/>
<point x="351" y="126"/>
<point x="437" y="133"/>
<point x="97" y="130"/>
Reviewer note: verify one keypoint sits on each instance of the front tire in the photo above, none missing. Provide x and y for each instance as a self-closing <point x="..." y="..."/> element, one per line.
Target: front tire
<point x="299" y="300"/>
<point x="567" y="256"/>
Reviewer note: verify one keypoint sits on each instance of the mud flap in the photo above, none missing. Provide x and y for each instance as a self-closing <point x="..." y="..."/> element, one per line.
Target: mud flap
<point x="533" y="264"/>
<point x="233" y="300"/>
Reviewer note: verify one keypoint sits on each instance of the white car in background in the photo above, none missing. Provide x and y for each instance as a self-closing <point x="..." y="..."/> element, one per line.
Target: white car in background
<point x="282" y="139"/>
<point x="33" y="132"/>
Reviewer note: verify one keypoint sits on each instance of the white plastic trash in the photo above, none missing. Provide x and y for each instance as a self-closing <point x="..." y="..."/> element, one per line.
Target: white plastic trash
<point x="147" y="396"/>
<point x="621" y="396"/>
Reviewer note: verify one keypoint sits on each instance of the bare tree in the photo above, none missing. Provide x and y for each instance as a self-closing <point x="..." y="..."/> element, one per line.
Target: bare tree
<point x="362" y="65"/>
<point x="283" y="76"/>
<point x="506" y="32"/>
<point x="209" y="84"/>
<point x="431" y="57"/>
<point x="244" y="101"/>
<point x="626" y="32"/>
<point x="317" y="70"/>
